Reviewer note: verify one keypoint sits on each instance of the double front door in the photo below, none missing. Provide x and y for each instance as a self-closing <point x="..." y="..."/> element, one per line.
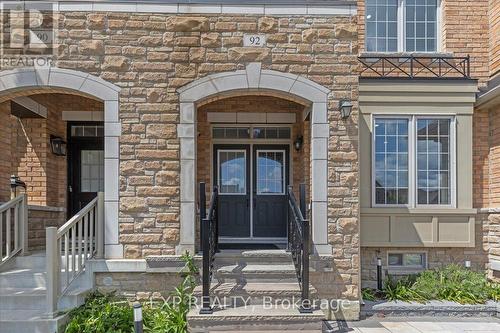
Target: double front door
<point x="252" y="182"/>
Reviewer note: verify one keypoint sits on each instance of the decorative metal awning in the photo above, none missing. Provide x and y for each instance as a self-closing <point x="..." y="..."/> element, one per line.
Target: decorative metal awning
<point x="414" y="66"/>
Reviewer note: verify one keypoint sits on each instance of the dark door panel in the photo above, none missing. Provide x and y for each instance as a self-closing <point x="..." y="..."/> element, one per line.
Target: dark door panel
<point x="231" y="174"/>
<point x="233" y="217"/>
<point x="269" y="216"/>
<point x="270" y="180"/>
<point x="85" y="164"/>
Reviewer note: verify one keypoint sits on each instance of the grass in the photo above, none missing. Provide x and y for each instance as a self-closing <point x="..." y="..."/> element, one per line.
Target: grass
<point x="451" y="283"/>
<point x="105" y="313"/>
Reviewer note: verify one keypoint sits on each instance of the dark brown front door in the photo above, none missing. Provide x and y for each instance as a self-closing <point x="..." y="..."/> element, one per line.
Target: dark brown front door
<point x="85" y="164"/>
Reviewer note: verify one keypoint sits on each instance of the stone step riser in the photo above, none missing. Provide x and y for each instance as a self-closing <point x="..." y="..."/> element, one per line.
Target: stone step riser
<point x="205" y="326"/>
<point x="254" y="278"/>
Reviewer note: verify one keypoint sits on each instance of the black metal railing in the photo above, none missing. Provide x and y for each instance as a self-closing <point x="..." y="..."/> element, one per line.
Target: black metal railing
<point x="209" y="243"/>
<point x="298" y="243"/>
<point x="414" y="66"/>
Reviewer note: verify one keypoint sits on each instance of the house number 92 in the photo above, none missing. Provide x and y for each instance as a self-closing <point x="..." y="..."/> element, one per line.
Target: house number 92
<point x="254" y="40"/>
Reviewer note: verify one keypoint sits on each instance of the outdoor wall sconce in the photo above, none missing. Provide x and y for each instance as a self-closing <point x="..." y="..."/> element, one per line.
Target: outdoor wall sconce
<point x="345" y="107"/>
<point x="58" y="145"/>
<point x="297" y="144"/>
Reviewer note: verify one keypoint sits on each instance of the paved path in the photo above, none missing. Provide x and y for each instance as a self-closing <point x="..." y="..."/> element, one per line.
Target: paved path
<point x="418" y="325"/>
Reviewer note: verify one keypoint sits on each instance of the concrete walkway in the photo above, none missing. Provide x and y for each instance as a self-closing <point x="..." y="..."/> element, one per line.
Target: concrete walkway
<point x="418" y="325"/>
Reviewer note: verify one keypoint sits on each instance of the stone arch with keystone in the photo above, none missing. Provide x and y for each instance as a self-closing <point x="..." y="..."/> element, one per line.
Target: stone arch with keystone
<point x="16" y="82"/>
<point x="254" y="79"/>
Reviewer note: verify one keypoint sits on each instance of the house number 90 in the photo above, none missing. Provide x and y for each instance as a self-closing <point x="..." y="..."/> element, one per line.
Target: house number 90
<point x="254" y="40"/>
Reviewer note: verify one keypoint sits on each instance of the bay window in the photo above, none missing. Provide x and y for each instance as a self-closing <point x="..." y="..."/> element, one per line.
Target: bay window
<point x="402" y="25"/>
<point x="413" y="161"/>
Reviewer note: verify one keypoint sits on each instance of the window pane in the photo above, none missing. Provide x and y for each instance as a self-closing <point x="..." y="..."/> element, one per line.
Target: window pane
<point x="381" y="25"/>
<point x="413" y="259"/>
<point x="92" y="171"/>
<point x="232" y="172"/>
<point x="433" y="165"/>
<point x="270" y="172"/>
<point x="421" y="22"/>
<point x="395" y="259"/>
<point x="391" y="161"/>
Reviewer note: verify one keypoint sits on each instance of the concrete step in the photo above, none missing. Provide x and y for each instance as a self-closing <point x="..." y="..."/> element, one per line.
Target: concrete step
<point x="35" y="298"/>
<point x="261" y="257"/>
<point x="30" y="321"/>
<point x="256" y="273"/>
<point x="254" y="318"/>
<point x="255" y="293"/>
<point x="26" y="278"/>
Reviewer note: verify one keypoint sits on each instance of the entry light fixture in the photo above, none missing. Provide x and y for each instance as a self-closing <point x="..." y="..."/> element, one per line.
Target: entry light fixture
<point x="297" y="144"/>
<point x="345" y="107"/>
<point x="58" y="145"/>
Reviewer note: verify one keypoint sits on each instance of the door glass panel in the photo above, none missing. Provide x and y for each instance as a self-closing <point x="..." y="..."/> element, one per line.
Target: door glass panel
<point x="232" y="172"/>
<point x="270" y="172"/>
<point x="92" y="171"/>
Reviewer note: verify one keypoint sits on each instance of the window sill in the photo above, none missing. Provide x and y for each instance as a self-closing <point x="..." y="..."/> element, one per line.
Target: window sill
<point x="418" y="211"/>
<point x="406" y="54"/>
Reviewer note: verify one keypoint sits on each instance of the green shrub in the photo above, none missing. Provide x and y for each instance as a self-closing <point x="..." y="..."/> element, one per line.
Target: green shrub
<point x="101" y="314"/>
<point x="368" y="294"/>
<point x="451" y="283"/>
<point x="104" y="313"/>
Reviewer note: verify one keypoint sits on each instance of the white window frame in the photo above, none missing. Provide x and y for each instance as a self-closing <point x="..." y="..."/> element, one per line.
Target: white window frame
<point x="283" y="171"/>
<point x="403" y="266"/>
<point x="402" y="29"/>
<point x="412" y="160"/>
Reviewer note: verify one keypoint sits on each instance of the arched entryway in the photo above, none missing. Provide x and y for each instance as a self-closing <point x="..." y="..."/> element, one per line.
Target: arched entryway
<point x="40" y="85"/>
<point x="255" y="81"/>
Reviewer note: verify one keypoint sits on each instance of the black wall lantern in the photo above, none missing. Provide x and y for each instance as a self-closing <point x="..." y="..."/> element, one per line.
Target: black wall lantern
<point x="58" y="145"/>
<point x="297" y="144"/>
<point x="345" y="107"/>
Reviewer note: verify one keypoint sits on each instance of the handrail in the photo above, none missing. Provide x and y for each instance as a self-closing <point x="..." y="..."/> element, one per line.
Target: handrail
<point x="413" y="66"/>
<point x="70" y="247"/>
<point x="77" y="217"/>
<point x="14" y="214"/>
<point x="209" y="243"/>
<point x="298" y="243"/>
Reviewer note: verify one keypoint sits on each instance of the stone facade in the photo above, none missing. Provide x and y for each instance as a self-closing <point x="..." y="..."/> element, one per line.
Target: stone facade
<point x="149" y="56"/>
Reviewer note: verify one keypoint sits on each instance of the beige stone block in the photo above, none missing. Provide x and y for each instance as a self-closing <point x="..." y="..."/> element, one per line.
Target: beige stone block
<point x="133" y="204"/>
<point x="96" y="21"/>
<point x="185" y="23"/>
<point x="268" y="24"/>
<point x="115" y="63"/>
<point x="167" y="178"/>
<point x="91" y="47"/>
<point x="248" y="54"/>
<point x="211" y="40"/>
<point x="171" y="234"/>
<point x="345" y="31"/>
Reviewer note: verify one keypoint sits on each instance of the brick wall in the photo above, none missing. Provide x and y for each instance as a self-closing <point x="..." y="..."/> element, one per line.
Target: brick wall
<point x="5" y="148"/>
<point x="40" y="218"/>
<point x="494" y="25"/>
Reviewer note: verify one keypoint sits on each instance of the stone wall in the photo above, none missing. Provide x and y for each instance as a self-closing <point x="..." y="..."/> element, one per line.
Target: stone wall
<point x="151" y="55"/>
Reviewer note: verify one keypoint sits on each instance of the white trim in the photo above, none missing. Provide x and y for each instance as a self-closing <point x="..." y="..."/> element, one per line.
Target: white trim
<point x="183" y="8"/>
<point x="412" y="161"/>
<point x="286" y="84"/>
<point x="31" y="105"/>
<point x="83" y="116"/>
<point x="85" y="84"/>
<point x="228" y="150"/>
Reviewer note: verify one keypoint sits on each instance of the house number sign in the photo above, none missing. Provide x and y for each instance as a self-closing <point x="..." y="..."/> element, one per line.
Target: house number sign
<point x="251" y="40"/>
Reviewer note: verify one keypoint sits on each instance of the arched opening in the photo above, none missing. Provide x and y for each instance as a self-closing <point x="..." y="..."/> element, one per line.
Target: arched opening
<point x="244" y="99"/>
<point x="43" y="107"/>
